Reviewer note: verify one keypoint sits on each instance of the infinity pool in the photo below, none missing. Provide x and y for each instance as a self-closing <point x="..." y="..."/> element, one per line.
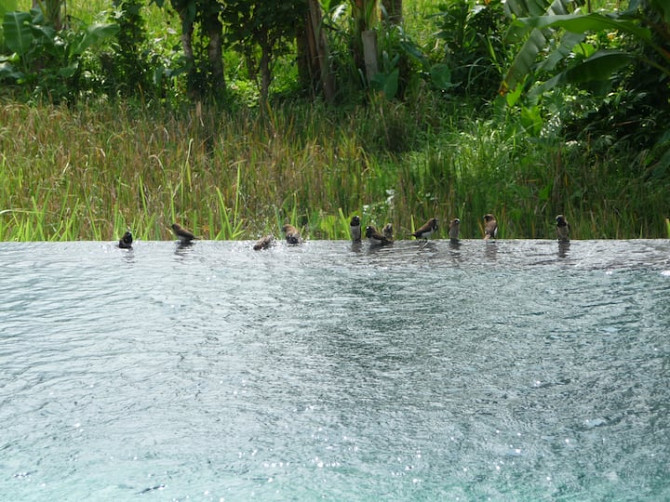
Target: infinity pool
<point x="509" y="370"/>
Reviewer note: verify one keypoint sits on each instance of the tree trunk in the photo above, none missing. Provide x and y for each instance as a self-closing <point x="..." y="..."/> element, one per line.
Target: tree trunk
<point x="360" y="25"/>
<point x="187" y="47"/>
<point x="393" y="10"/>
<point x="319" y="54"/>
<point x="369" y="38"/>
<point x="214" y="30"/>
<point x="266" y="77"/>
<point x="365" y="15"/>
<point x="53" y="12"/>
<point x="307" y="73"/>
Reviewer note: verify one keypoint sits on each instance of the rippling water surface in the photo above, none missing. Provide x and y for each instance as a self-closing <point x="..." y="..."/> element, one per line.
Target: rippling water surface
<point x="515" y="370"/>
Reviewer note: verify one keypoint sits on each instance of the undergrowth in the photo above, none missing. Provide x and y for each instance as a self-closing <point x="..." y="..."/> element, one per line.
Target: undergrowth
<point x="90" y="173"/>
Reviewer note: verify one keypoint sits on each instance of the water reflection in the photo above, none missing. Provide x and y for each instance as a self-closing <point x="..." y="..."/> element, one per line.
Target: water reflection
<point x="428" y="247"/>
<point x="491" y="250"/>
<point x="129" y="254"/>
<point x="380" y="248"/>
<point x="337" y="359"/>
<point x="183" y="248"/>
<point x="563" y="248"/>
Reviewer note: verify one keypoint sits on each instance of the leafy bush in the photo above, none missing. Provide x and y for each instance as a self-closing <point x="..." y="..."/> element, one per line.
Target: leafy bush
<point x="47" y="62"/>
<point x="474" y="52"/>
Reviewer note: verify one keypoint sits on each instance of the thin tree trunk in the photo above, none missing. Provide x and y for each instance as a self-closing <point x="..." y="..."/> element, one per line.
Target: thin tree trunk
<point x="214" y="51"/>
<point x="53" y="12"/>
<point x="306" y="72"/>
<point x="360" y="25"/>
<point x="266" y="76"/>
<point x="319" y="50"/>
<point x="369" y="38"/>
<point x="365" y="16"/>
<point x="187" y="47"/>
<point x="187" y="42"/>
<point x="393" y="10"/>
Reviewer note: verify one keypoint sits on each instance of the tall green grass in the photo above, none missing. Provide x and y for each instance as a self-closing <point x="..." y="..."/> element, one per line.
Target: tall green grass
<point x="90" y="173"/>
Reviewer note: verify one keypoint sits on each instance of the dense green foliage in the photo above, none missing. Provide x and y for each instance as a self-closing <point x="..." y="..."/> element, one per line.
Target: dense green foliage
<point x="87" y="173"/>
<point x="108" y="121"/>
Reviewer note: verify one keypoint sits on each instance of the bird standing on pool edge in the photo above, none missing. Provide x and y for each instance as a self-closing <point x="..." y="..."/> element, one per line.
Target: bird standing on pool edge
<point x="454" y="227"/>
<point x="374" y="237"/>
<point x="355" y="229"/>
<point x="562" y="228"/>
<point x="427" y="229"/>
<point x="490" y="227"/>
<point x="264" y="242"/>
<point x="291" y="233"/>
<point x="126" y="242"/>
<point x="185" y="236"/>
<point x="388" y="232"/>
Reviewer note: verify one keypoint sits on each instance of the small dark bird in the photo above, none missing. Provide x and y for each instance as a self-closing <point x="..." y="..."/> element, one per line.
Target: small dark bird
<point x="454" y="227"/>
<point x="562" y="228"/>
<point x="428" y="228"/>
<point x="126" y="242"/>
<point x="291" y="233"/>
<point x="388" y="232"/>
<point x="490" y="226"/>
<point x="355" y="229"/>
<point x="264" y="242"/>
<point x="184" y="235"/>
<point x="374" y="237"/>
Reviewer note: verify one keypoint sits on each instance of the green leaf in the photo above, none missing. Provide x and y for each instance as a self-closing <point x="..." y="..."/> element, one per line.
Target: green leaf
<point x="522" y="8"/>
<point x="523" y="62"/>
<point x="600" y="66"/>
<point x="532" y="120"/>
<point x="7" y="71"/>
<point x="68" y="71"/>
<point x="578" y="24"/>
<point x="537" y="40"/>
<point x="568" y="43"/>
<point x="17" y="33"/>
<point x="440" y="74"/>
<point x="597" y="68"/>
<point x="585" y="50"/>
<point x="43" y="34"/>
<point x="95" y="34"/>
<point x="6" y="6"/>
<point x="513" y="96"/>
<point x="386" y="83"/>
<point x="545" y="192"/>
<point x="662" y="7"/>
<point x="414" y="51"/>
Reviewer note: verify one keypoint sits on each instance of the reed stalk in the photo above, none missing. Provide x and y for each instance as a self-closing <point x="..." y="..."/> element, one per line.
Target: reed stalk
<point x="90" y="173"/>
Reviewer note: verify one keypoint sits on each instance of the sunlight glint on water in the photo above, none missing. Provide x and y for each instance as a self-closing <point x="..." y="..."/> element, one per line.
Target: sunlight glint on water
<point x="514" y="370"/>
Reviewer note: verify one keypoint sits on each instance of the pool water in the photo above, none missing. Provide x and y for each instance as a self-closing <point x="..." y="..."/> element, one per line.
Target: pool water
<point x="508" y="370"/>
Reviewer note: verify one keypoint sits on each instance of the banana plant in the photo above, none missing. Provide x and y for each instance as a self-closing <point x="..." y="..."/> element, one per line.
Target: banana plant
<point x="539" y="26"/>
<point x="364" y="40"/>
<point x="364" y="13"/>
<point x="39" y="51"/>
<point x="6" y="6"/>
<point x="52" y="11"/>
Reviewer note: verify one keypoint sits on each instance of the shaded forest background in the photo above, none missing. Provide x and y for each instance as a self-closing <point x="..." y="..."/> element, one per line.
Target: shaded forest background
<point x="235" y="116"/>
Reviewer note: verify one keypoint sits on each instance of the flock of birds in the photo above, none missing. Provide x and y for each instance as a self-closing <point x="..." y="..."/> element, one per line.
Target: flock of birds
<point x="376" y="238"/>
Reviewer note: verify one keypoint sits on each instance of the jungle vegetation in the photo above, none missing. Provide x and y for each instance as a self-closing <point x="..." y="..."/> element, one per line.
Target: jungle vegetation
<point x="235" y="116"/>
